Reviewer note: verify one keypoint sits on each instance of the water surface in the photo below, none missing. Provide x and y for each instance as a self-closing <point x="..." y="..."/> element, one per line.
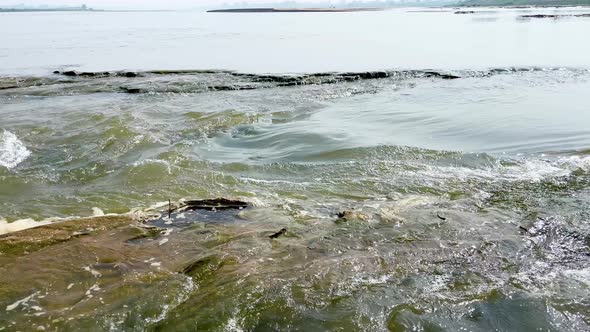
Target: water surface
<point x="467" y="187"/>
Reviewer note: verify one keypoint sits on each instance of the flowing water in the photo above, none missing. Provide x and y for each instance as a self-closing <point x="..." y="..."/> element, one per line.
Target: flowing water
<point x="469" y="185"/>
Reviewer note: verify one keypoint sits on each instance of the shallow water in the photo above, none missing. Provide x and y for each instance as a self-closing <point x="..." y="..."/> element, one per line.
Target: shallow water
<point x="472" y="183"/>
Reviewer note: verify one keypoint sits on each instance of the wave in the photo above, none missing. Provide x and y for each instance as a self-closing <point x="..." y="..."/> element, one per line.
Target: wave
<point x="12" y="150"/>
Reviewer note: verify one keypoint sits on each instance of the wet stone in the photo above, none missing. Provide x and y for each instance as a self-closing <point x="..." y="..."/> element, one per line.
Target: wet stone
<point x="350" y="215"/>
<point x="211" y="211"/>
<point x="131" y="90"/>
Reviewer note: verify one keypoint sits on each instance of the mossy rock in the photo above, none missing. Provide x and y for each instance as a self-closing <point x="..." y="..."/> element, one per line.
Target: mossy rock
<point x="34" y="239"/>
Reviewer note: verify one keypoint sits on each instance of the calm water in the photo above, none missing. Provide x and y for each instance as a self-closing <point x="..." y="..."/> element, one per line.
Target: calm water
<point x="444" y="169"/>
<point x="286" y="42"/>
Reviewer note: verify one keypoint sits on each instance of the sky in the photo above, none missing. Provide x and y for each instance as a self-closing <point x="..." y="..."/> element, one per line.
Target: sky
<point x="139" y="4"/>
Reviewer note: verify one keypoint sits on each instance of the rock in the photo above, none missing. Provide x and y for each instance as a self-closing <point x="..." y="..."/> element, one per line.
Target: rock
<point x="553" y="16"/>
<point x="56" y="72"/>
<point x="217" y="204"/>
<point x="87" y="74"/>
<point x="70" y="73"/>
<point x="130" y="74"/>
<point x="439" y="75"/>
<point x="131" y="90"/>
<point x="34" y="239"/>
<point x="349" y="215"/>
<point x="541" y="16"/>
<point x="365" y="76"/>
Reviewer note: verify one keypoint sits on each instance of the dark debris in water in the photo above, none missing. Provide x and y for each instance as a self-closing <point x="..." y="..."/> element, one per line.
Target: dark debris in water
<point x="278" y="234"/>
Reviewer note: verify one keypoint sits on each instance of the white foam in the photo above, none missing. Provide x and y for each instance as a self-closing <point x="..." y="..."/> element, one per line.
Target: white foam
<point x="531" y="170"/>
<point x="261" y="181"/>
<point x="21" y="302"/>
<point x="155" y="206"/>
<point x="582" y="275"/>
<point x="232" y="325"/>
<point x="12" y="150"/>
<point x="19" y="225"/>
<point x="97" y="212"/>
<point x="92" y="271"/>
<point x="165" y="163"/>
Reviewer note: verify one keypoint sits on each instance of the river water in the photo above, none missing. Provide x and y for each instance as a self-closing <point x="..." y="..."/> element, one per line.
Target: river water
<point x="462" y="141"/>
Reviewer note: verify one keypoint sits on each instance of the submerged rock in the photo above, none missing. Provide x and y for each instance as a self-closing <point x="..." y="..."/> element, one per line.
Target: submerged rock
<point x="541" y="16"/>
<point x="554" y="15"/>
<point x="131" y="90"/>
<point x="34" y="239"/>
<point x="217" y="204"/>
<point x="440" y="75"/>
<point x="209" y="211"/>
<point x="350" y="215"/>
<point x="70" y="73"/>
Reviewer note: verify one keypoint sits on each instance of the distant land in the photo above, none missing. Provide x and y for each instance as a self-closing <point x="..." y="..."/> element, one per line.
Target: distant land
<point x="495" y="3"/>
<point x="293" y="10"/>
<point x="82" y="8"/>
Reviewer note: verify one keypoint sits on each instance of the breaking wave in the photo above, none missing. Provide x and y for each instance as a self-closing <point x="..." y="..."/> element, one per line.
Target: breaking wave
<point x="12" y="150"/>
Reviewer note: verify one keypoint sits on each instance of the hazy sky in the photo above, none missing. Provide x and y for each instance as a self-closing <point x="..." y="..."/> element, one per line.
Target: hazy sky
<point x="144" y="4"/>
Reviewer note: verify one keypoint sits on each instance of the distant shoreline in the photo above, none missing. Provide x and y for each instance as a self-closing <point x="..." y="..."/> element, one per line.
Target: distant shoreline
<point x="11" y="10"/>
<point x="18" y="10"/>
<point x="295" y="10"/>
